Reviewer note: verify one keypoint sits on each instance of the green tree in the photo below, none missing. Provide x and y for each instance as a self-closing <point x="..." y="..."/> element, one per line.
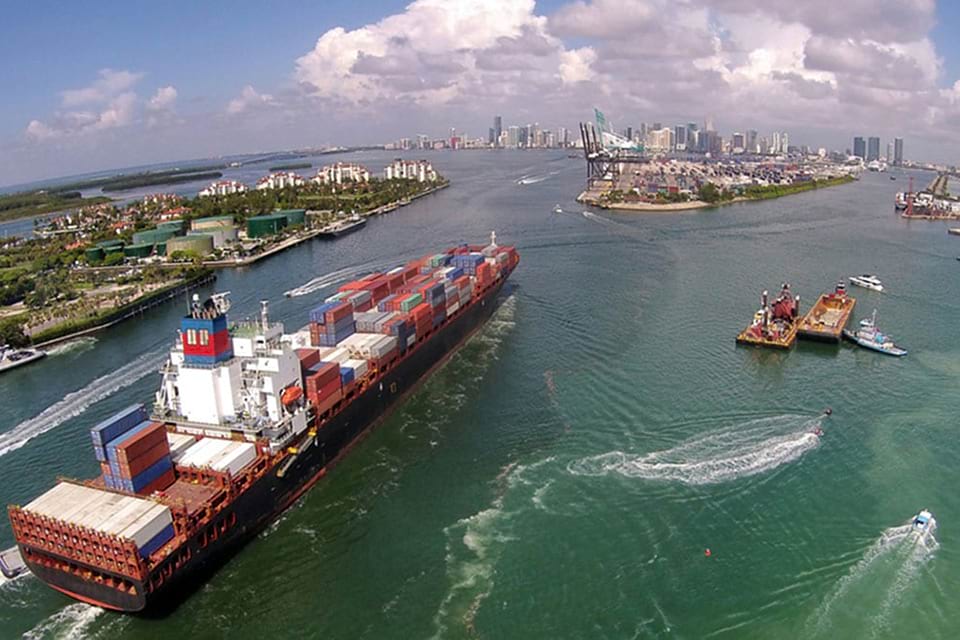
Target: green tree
<point x="709" y="193"/>
<point x="113" y="259"/>
<point x="11" y="332"/>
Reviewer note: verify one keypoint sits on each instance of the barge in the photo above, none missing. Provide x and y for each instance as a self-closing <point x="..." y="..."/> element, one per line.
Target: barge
<point x="246" y="420"/>
<point x="827" y="319"/>
<point x="774" y="324"/>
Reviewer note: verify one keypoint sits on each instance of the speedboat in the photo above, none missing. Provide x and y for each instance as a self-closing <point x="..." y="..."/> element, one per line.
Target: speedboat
<point x="557" y="209"/>
<point x="869" y="337"/>
<point x="867" y="282"/>
<point x="11" y="358"/>
<point x="923" y="524"/>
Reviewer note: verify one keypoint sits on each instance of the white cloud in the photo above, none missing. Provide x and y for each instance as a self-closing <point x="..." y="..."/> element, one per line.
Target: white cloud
<point x="248" y="99"/>
<point x="107" y="103"/>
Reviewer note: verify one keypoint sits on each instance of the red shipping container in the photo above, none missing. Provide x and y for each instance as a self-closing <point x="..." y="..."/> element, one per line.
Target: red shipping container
<point x="364" y="306"/>
<point x="132" y="448"/>
<point x="411" y="272"/>
<point x="322" y="406"/>
<point x="395" y="281"/>
<point x="144" y="461"/>
<point x="339" y="312"/>
<point x="328" y="372"/>
<point x="308" y="357"/>
<point x="351" y="286"/>
<point x="159" y="484"/>
<point x="105" y="468"/>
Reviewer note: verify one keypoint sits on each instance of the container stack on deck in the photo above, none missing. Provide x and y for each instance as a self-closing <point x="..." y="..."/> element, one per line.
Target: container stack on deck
<point x="134" y="453"/>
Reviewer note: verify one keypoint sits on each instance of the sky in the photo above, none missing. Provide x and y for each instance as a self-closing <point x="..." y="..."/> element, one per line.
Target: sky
<point x="106" y="85"/>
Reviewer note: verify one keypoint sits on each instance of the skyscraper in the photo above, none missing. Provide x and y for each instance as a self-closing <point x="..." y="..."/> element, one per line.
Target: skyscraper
<point x="889" y="156"/>
<point x="751" y="141"/>
<point x="898" y="151"/>
<point x="513" y="137"/>
<point x="859" y="148"/>
<point x="497" y="129"/>
<point x="680" y="137"/>
<point x="873" y="148"/>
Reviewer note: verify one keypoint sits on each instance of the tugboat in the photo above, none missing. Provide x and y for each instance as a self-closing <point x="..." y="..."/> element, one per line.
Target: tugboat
<point x="867" y="282"/>
<point x="869" y="337"/>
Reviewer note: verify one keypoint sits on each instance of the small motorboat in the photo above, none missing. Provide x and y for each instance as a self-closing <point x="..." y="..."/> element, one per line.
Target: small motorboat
<point x="557" y="209"/>
<point x="869" y="337"/>
<point x="923" y="524"/>
<point x="867" y="281"/>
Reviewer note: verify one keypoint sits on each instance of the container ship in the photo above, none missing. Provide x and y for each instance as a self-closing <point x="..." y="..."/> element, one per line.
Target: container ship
<point x="247" y="418"/>
<point x="827" y="319"/>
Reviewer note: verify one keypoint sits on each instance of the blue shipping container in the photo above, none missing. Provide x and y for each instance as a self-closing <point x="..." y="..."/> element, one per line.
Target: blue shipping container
<point x="346" y="375"/>
<point x="151" y="473"/>
<point x="157" y="541"/>
<point x="111" y="447"/>
<point x="100" y="453"/>
<point x="117" y="424"/>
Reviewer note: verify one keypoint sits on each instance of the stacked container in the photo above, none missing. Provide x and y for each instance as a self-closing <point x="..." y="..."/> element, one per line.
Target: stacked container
<point x="330" y="323"/>
<point x="322" y="384"/>
<point x="134" y="456"/>
<point x="468" y="262"/>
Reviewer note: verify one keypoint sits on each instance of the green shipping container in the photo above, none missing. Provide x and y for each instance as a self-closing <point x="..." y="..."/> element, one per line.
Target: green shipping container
<point x="93" y="254"/>
<point x="261" y="226"/>
<point x="409" y="303"/>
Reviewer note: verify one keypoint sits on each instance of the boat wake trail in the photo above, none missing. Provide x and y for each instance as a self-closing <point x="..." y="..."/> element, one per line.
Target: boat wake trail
<point x="534" y="179"/>
<point x="876" y="585"/>
<point x="334" y="277"/>
<point x="69" y="623"/>
<point x="71" y="346"/>
<point x="476" y="543"/>
<point x="75" y="403"/>
<point x="743" y="450"/>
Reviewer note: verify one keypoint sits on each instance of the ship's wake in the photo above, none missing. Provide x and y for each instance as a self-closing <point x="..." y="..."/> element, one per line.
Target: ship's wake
<point x="534" y="179"/>
<point x="70" y="623"/>
<point x="334" y="277"/>
<point x="476" y="543"/>
<point x="72" y="346"/>
<point x="876" y="585"/>
<point x="743" y="450"/>
<point x="75" y="403"/>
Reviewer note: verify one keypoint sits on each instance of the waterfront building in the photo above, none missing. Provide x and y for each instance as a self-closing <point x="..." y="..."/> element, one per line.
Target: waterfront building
<point x="889" y="156"/>
<point x="738" y="144"/>
<point x="859" y="148"/>
<point x="873" y="148"/>
<point x="751" y="141"/>
<point x="898" y="151"/>
<point x="680" y="137"/>
<point x="497" y="128"/>
<point x="280" y="180"/>
<point x="419" y="170"/>
<point x="342" y="172"/>
<point x="223" y="188"/>
<point x="513" y="137"/>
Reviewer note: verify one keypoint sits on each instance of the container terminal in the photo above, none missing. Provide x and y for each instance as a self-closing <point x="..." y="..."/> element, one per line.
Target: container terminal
<point x="827" y="319"/>
<point x="248" y="418"/>
<point x="775" y="323"/>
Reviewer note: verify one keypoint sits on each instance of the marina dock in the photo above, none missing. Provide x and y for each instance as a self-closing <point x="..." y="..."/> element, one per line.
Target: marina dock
<point x="827" y="319"/>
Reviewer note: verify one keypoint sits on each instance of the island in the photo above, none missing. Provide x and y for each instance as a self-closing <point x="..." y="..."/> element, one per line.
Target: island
<point x="669" y="185"/>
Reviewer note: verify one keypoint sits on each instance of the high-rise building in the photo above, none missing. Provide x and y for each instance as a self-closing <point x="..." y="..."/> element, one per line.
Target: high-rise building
<point x="629" y="133"/>
<point x="497" y="128"/>
<point x="738" y="143"/>
<point x="513" y="137"/>
<point x="751" y="141"/>
<point x="680" y="137"/>
<point x="898" y="151"/>
<point x="859" y="148"/>
<point x="563" y="137"/>
<point x="491" y="137"/>
<point x="657" y="126"/>
<point x="873" y="148"/>
<point x="889" y="156"/>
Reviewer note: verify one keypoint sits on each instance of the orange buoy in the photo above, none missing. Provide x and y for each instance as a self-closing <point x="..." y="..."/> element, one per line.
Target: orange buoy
<point x="707" y="553"/>
<point x="290" y="395"/>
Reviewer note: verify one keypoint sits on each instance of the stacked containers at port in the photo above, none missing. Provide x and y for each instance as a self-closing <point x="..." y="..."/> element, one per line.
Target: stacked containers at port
<point x="465" y="287"/>
<point x="330" y="323"/>
<point x="115" y="426"/>
<point x="322" y="383"/>
<point x="139" y="461"/>
<point x="434" y="294"/>
<point x="452" y="294"/>
<point x="372" y="321"/>
<point x="376" y="348"/>
<point x="385" y="304"/>
<point x="206" y="341"/>
<point x="361" y="300"/>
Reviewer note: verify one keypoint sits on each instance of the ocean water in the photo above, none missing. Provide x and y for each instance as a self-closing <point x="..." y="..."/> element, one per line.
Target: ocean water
<point x="564" y="474"/>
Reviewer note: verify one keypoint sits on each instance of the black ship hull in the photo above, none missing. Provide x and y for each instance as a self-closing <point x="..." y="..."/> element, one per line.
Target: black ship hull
<point x="279" y="488"/>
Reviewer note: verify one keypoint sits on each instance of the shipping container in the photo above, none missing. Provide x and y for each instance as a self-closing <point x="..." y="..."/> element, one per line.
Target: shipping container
<point x="235" y="458"/>
<point x="118" y="424"/>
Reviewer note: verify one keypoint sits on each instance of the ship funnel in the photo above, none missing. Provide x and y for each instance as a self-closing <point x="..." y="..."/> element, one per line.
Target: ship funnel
<point x="763" y="298"/>
<point x="264" y="315"/>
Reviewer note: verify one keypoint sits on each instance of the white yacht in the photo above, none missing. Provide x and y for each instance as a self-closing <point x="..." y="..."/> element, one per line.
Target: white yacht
<point x="923" y="524"/>
<point x="11" y="358"/>
<point x="867" y="282"/>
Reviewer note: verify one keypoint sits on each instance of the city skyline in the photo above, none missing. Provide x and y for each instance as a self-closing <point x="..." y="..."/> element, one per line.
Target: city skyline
<point x="159" y="84"/>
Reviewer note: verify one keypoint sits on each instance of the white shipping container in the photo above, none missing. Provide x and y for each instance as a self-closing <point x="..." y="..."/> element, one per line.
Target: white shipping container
<point x="147" y="526"/>
<point x="452" y="309"/>
<point x="395" y="271"/>
<point x="200" y="454"/>
<point x="359" y="367"/>
<point x="236" y="459"/>
<point x="179" y="443"/>
<point x="382" y="347"/>
<point x="338" y="355"/>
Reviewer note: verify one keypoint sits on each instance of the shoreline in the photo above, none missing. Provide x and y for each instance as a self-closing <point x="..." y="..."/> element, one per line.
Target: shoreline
<point x="592" y="198"/>
<point x="129" y="310"/>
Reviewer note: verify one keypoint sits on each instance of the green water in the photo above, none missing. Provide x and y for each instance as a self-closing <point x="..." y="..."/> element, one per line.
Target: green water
<point x="562" y="476"/>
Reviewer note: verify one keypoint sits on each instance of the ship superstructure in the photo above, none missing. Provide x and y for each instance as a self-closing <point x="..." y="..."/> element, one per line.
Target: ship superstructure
<point x="246" y="419"/>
